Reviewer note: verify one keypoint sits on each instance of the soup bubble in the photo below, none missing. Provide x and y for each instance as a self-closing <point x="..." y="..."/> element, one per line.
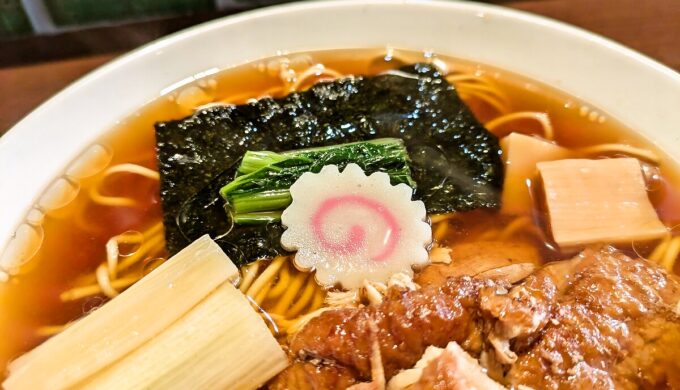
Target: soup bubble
<point x="129" y="242"/>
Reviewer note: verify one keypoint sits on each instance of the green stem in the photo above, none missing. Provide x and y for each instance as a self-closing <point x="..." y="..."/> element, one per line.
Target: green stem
<point x="261" y="201"/>
<point x="257" y="218"/>
<point x="244" y="179"/>
<point x="255" y="160"/>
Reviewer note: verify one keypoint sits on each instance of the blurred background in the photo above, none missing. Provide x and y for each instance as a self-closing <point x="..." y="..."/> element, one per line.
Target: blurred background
<point x="39" y="30"/>
<point x="46" y="44"/>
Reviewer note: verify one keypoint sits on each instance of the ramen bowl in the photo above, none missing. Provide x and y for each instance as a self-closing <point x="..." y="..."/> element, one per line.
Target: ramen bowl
<point x="46" y="155"/>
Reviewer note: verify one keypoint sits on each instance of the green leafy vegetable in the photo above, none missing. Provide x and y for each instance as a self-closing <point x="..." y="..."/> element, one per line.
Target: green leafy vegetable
<point x="260" y="191"/>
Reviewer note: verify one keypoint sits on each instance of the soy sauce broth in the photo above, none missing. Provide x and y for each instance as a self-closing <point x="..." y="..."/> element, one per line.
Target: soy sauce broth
<point x="75" y="235"/>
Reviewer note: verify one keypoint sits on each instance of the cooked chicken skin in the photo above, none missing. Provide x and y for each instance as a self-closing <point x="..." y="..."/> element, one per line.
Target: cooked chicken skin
<point x="407" y="321"/>
<point x="614" y="327"/>
<point x="599" y="321"/>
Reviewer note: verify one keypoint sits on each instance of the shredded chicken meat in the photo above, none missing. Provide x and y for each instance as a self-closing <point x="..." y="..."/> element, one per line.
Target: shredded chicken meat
<point x="454" y="369"/>
<point x="601" y="320"/>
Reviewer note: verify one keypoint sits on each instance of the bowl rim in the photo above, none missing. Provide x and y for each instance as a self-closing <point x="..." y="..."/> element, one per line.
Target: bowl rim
<point x="16" y="143"/>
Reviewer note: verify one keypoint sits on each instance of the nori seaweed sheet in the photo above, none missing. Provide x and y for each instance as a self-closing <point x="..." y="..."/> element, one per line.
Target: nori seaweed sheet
<point x="456" y="161"/>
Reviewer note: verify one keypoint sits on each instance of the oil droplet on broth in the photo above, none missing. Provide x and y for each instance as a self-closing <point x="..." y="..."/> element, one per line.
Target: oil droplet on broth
<point x="22" y="247"/>
<point x="59" y="194"/>
<point x="35" y="217"/>
<point x="192" y="97"/>
<point x="129" y="243"/>
<point x="90" y="162"/>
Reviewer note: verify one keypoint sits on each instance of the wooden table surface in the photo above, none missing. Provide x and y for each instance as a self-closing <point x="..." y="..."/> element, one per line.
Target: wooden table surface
<point x="649" y="26"/>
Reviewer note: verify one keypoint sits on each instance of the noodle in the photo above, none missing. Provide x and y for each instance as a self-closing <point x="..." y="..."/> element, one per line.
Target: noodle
<point x="112" y="256"/>
<point x="669" y="258"/>
<point x="96" y="195"/>
<point x="153" y="244"/>
<point x="281" y="291"/>
<point x="250" y="272"/>
<point x="304" y="299"/>
<point x="658" y="252"/>
<point x="104" y="282"/>
<point x="266" y="277"/>
<point x="483" y="94"/>
<point x="106" y="275"/>
<point x="541" y="117"/>
<point x="51" y="330"/>
<point x="281" y="283"/>
<point x="77" y="293"/>
<point x="291" y="292"/>
<point x="473" y="86"/>
<point x="291" y="82"/>
<point x="112" y="249"/>
<point x="319" y="298"/>
<point x="666" y="252"/>
<point x="294" y="325"/>
<point x="489" y="234"/>
<point x="262" y="294"/>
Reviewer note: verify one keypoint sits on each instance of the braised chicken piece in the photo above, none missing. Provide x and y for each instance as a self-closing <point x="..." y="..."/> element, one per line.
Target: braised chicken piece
<point x="601" y="320"/>
<point x="615" y="326"/>
<point x="526" y="308"/>
<point x="407" y="322"/>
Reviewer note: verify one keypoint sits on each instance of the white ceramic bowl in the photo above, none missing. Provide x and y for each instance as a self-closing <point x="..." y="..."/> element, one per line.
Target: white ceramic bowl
<point x="628" y="86"/>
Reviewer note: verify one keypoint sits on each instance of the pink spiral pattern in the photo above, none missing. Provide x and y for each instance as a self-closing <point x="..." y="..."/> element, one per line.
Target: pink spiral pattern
<point x="356" y="238"/>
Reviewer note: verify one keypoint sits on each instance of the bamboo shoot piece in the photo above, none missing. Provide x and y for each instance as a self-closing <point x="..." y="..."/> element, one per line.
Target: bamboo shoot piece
<point x="220" y="344"/>
<point x="598" y="201"/>
<point x="125" y="323"/>
<point x="521" y="153"/>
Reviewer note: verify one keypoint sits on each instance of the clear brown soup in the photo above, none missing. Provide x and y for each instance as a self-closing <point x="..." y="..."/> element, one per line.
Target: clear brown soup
<point x="75" y="235"/>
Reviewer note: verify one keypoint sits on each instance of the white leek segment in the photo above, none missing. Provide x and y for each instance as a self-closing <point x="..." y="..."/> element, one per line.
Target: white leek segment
<point x="350" y="227"/>
<point x="221" y="344"/>
<point x="182" y="326"/>
<point x="125" y="323"/>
